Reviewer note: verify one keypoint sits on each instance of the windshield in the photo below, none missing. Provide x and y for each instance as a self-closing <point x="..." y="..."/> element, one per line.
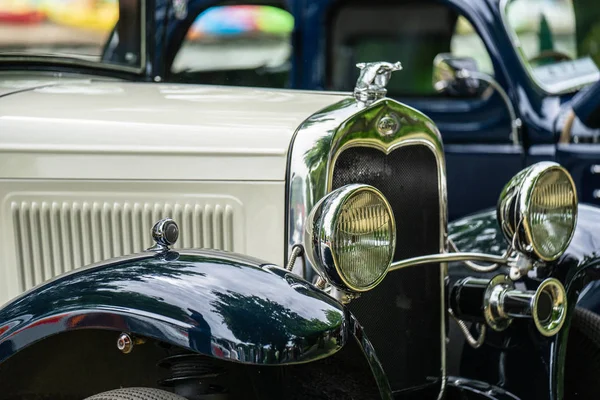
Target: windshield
<point x="97" y="32"/>
<point x="558" y="40"/>
<point x="252" y="40"/>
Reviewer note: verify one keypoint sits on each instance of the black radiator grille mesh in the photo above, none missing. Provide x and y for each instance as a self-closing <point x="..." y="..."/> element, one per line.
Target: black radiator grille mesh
<point x="402" y="316"/>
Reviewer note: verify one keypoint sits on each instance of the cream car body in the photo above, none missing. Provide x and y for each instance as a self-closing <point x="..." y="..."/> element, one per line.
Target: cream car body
<point x="87" y="166"/>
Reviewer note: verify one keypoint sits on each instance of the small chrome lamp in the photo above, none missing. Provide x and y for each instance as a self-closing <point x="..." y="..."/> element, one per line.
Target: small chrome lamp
<point x="537" y="211"/>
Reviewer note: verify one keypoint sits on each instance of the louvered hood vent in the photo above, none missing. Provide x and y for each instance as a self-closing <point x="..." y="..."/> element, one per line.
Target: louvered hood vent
<point x="52" y="237"/>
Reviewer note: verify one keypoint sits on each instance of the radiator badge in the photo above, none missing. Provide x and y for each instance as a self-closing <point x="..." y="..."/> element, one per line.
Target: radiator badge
<point x="388" y="125"/>
<point x="373" y="79"/>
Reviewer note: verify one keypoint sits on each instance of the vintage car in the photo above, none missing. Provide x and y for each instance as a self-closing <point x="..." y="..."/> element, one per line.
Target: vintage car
<point x="181" y="241"/>
<point x="525" y="58"/>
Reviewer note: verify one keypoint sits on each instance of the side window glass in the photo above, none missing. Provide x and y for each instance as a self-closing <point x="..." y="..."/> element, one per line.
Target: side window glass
<point x="366" y="33"/>
<point x="466" y="42"/>
<point x="241" y="45"/>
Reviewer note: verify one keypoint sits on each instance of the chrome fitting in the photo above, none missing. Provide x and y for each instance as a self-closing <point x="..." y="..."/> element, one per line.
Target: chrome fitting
<point x="520" y="267"/>
<point x="125" y="343"/>
<point x="343" y="296"/>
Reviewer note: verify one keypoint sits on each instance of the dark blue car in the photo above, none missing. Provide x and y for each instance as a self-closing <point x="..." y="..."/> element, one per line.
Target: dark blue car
<point x="526" y="59"/>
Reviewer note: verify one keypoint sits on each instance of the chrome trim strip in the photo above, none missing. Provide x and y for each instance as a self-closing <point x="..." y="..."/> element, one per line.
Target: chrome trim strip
<point x="318" y="142"/>
<point x="306" y="180"/>
<point x="567" y="86"/>
<point x="371" y="356"/>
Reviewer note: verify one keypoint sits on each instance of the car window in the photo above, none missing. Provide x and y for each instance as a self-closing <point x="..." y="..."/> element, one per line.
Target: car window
<point x="102" y="32"/>
<point x="466" y="42"/>
<point x="243" y="45"/>
<point x="558" y="41"/>
<point x="411" y="33"/>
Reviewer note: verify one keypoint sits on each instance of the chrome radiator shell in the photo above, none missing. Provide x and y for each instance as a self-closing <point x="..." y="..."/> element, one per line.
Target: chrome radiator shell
<point x="385" y="126"/>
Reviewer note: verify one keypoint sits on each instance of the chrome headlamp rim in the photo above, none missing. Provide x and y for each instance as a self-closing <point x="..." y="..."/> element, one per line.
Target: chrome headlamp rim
<point x="326" y="214"/>
<point x="514" y="209"/>
<point x="529" y="187"/>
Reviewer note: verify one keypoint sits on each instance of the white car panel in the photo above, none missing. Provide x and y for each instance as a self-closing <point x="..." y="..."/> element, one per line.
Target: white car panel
<point x="53" y="226"/>
<point x="87" y="167"/>
<point x="151" y="131"/>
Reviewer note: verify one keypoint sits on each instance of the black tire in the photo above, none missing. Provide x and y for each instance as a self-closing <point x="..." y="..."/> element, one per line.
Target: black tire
<point x="583" y="356"/>
<point x="136" y="393"/>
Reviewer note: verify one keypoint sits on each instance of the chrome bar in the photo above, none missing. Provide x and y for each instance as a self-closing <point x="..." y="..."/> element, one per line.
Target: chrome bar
<point x="477" y="267"/>
<point x="515" y="121"/>
<point x="449" y="257"/>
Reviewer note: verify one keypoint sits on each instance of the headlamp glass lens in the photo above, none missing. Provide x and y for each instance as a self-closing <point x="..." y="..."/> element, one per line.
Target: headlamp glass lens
<point x="364" y="239"/>
<point x="552" y="213"/>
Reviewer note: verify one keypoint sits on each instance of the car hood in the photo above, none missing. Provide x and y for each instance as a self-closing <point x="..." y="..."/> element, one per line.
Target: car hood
<point x="222" y="132"/>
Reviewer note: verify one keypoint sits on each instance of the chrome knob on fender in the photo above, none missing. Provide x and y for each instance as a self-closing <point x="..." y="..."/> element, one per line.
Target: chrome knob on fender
<point x="547" y="305"/>
<point x="165" y="233"/>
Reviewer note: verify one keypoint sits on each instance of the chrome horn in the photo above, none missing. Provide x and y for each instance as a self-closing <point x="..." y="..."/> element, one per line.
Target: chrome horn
<point x="502" y="303"/>
<point x="547" y="305"/>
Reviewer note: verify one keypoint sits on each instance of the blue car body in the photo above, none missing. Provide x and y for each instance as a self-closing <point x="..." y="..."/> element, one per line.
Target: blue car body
<point x="480" y="154"/>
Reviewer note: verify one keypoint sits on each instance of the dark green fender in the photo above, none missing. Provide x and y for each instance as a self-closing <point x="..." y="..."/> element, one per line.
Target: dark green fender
<point x="219" y="304"/>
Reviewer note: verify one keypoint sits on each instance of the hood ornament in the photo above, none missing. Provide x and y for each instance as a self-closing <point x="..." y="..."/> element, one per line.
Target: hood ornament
<point x="373" y="79"/>
<point x="165" y="233"/>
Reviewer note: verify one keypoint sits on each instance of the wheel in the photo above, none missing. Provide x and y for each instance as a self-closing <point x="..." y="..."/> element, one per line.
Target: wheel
<point x="583" y="356"/>
<point x="138" y="393"/>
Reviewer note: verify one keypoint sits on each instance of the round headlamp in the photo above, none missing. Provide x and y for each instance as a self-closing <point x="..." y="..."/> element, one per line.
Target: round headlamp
<point x="350" y="237"/>
<point x="537" y="211"/>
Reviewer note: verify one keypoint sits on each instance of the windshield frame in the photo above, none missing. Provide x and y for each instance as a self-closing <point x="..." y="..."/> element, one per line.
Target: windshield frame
<point x="557" y="88"/>
<point x="25" y="58"/>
